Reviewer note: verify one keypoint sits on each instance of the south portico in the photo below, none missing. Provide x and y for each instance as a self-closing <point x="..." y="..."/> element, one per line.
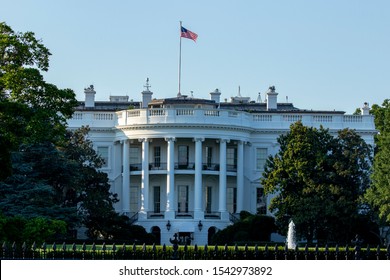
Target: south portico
<point x="187" y="177"/>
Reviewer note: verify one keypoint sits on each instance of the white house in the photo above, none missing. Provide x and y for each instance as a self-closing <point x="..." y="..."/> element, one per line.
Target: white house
<point x="188" y="166"/>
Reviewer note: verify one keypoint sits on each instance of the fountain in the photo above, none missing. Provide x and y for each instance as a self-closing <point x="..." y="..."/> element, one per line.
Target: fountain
<point x="291" y="238"/>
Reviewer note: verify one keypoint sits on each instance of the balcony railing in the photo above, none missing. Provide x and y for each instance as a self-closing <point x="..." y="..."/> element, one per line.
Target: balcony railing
<point x="183" y="166"/>
<point x="212" y="215"/>
<point x="155" y="215"/>
<point x="266" y="120"/>
<point x="184" y="215"/>
<point x="275" y="120"/>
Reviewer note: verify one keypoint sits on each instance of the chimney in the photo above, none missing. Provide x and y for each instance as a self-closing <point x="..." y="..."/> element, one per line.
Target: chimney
<point x="146" y="94"/>
<point x="215" y="95"/>
<point x="272" y="99"/>
<point x="366" y="109"/>
<point x="89" y="97"/>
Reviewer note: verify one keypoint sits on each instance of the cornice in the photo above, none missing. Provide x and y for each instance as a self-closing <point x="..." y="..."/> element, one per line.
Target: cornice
<point x="185" y="126"/>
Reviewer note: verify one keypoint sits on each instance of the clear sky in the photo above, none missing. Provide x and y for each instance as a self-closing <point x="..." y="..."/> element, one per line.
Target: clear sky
<point x="321" y="54"/>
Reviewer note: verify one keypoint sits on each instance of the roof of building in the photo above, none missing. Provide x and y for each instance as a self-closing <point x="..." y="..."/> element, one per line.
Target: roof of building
<point x="109" y="106"/>
<point x="253" y="107"/>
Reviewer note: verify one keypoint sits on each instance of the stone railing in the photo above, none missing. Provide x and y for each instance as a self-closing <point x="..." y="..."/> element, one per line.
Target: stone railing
<point x="277" y="120"/>
<point x="265" y="120"/>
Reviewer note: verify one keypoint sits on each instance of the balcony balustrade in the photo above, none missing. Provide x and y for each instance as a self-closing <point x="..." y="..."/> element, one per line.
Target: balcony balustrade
<point x="266" y="120"/>
<point x="183" y="166"/>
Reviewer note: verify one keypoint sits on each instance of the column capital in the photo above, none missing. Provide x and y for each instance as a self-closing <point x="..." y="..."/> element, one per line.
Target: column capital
<point x="223" y="140"/>
<point x="124" y="141"/>
<point x="196" y="139"/>
<point x="168" y="139"/>
<point x="144" y="140"/>
<point x="244" y="142"/>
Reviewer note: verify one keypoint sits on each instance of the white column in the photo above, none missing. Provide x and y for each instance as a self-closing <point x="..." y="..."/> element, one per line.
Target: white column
<point x="222" y="179"/>
<point x="170" y="207"/>
<point x="126" y="177"/>
<point x="198" y="211"/>
<point x="240" y="176"/>
<point x="145" y="177"/>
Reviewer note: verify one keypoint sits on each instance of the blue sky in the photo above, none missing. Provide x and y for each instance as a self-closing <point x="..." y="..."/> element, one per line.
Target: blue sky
<point x="322" y="55"/>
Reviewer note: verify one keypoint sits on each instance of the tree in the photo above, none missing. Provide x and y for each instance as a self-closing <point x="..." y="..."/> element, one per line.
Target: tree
<point x="379" y="194"/>
<point x="91" y="190"/>
<point x="31" y="110"/>
<point x="62" y="183"/>
<point x="35" y="189"/>
<point x="318" y="181"/>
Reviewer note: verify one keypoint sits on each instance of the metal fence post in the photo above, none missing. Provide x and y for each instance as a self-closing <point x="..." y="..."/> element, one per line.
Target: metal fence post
<point x="33" y="248"/>
<point x="84" y="248"/>
<point x="4" y="248"/>
<point x="113" y="251"/>
<point x="256" y="252"/>
<point x="286" y="252"/>
<point x="266" y="252"/>
<point x="13" y="250"/>
<point x="346" y="251"/>
<point x="326" y="252"/>
<point x="215" y="254"/>
<point x="63" y="250"/>
<point x="276" y="252"/>
<point x="24" y="249"/>
<point x="54" y="248"/>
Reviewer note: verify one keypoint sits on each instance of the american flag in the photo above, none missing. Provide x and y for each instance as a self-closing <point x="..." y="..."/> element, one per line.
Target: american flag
<point x="185" y="33"/>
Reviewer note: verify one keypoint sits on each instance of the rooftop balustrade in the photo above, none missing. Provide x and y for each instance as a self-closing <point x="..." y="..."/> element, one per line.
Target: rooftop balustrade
<point x="266" y="120"/>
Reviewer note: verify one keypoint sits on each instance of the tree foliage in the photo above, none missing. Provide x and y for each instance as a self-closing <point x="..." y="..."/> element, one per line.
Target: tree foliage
<point x="62" y="183"/>
<point x="31" y="110"/>
<point x="318" y="181"/>
<point x="45" y="171"/>
<point x="379" y="194"/>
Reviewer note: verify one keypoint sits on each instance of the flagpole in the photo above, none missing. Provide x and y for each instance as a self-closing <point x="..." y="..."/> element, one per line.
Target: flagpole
<point x="179" y="93"/>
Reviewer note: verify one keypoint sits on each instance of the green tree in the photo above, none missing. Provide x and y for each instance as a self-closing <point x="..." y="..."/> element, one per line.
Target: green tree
<point x="318" y="181"/>
<point x="36" y="187"/>
<point x="31" y="110"/>
<point x="91" y="191"/>
<point x="61" y="183"/>
<point x="379" y="194"/>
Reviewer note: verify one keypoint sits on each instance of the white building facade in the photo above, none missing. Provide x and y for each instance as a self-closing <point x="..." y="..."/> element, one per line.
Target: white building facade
<point x="189" y="166"/>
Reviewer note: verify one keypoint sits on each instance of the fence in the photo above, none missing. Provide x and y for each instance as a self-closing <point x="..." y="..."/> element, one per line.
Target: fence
<point x="157" y="252"/>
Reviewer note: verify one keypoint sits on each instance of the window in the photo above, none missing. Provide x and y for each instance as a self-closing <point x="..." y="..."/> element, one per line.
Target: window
<point x="209" y="191"/>
<point x="231" y="200"/>
<point x="157" y="156"/>
<point x="209" y="156"/>
<point x="231" y="158"/>
<point x="261" y="205"/>
<point x="103" y="153"/>
<point x="183" y="156"/>
<point x="182" y="206"/>
<point x="261" y="158"/>
<point x="156" y="199"/>
<point x="135" y="155"/>
<point x="134" y="199"/>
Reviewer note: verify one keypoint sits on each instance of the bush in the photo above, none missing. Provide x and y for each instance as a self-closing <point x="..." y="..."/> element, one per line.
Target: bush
<point x="19" y="229"/>
<point x="251" y="228"/>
